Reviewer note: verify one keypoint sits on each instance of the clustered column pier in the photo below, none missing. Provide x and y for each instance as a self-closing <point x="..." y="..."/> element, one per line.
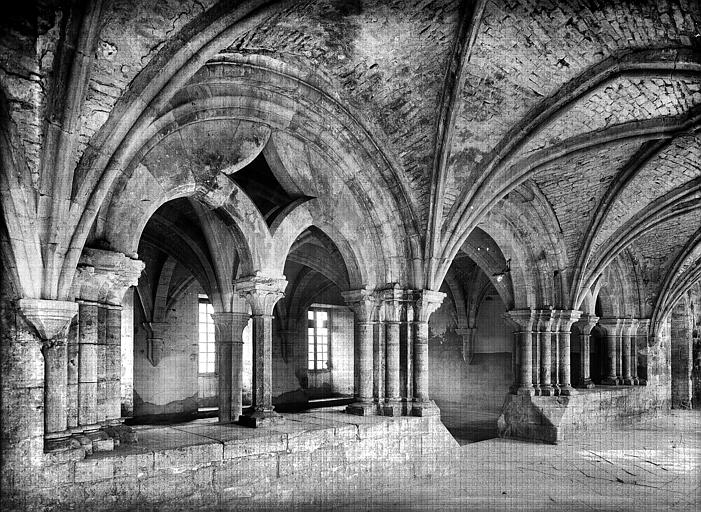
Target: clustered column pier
<point x="363" y="304"/>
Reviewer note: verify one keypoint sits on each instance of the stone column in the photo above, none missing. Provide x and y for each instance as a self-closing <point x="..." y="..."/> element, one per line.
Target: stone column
<point x="229" y="341"/>
<point x="113" y="366"/>
<point x="544" y="333"/>
<point x="51" y="320"/>
<point x="612" y="326"/>
<point x="535" y="353"/>
<point x="262" y="293"/>
<point x="524" y="319"/>
<point x="585" y="324"/>
<point x="555" y="351"/>
<point x="567" y="318"/>
<point x="627" y="332"/>
<point x="379" y="357"/>
<point x="363" y="304"/>
<point x="640" y="340"/>
<point x="392" y="307"/>
<point x="426" y="303"/>
<point x="87" y="366"/>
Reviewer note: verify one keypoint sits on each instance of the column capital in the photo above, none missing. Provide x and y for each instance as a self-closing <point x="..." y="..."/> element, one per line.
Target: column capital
<point x="228" y="321"/>
<point x="612" y="325"/>
<point x="363" y="302"/>
<point x="586" y="323"/>
<point x="628" y="326"/>
<point x="643" y="326"/>
<point x="104" y="276"/>
<point x="392" y="301"/>
<point x="523" y="319"/>
<point x="49" y="318"/>
<point x="544" y="320"/>
<point x="565" y="318"/>
<point x="426" y="302"/>
<point x="261" y="292"/>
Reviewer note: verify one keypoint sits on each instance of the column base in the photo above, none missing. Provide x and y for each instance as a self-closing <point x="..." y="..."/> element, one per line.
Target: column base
<point x="547" y="391"/>
<point x="101" y="441"/>
<point x="85" y="442"/>
<point x="392" y="408"/>
<point x="642" y="382"/>
<point x="526" y="391"/>
<point x="120" y="433"/>
<point x="628" y="381"/>
<point x="260" y="418"/>
<point x="567" y="391"/>
<point x="611" y="381"/>
<point x="588" y="384"/>
<point x="60" y="442"/>
<point x="425" y="408"/>
<point x="362" y="409"/>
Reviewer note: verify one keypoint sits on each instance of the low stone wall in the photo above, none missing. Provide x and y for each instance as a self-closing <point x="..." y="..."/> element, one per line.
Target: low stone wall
<point x="554" y="419"/>
<point x="244" y="472"/>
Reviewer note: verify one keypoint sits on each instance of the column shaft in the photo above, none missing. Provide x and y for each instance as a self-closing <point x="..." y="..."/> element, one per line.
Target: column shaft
<point x="535" y="368"/>
<point x="565" y="384"/>
<point x="55" y="387"/>
<point x="262" y="363"/>
<point x="113" y="364"/>
<point x="392" y="361"/>
<point x="526" y="377"/>
<point x="87" y="367"/>
<point x="545" y="363"/>
<point x="627" y="377"/>
<point x="421" y="362"/>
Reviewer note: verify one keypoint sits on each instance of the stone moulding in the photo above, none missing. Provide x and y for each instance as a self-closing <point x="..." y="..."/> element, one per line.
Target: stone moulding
<point x="49" y="318"/>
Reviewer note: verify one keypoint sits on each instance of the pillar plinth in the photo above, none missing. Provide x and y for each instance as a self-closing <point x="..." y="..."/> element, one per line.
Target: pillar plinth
<point x="262" y="293"/>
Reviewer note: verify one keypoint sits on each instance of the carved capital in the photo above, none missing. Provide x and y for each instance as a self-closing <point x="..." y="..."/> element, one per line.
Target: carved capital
<point x="426" y="302"/>
<point x="229" y="326"/>
<point x="545" y="320"/>
<point x="363" y="303"/>
<point x="104" y="276"/>
<point x="50" y="319"/>
<point x="611" y="325"/>
<point x="629" y="326"/>
<point x="261" y="292"/>
<point x="522" y="319"/>
<point x="564" y="318"/>
<point x="392" y="303"/>
<point x="586" y="323"/>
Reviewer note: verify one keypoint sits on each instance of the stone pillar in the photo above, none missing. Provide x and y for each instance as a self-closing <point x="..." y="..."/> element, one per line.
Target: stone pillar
<point x="567" y="318"/>
<point x="639" y="343"/>
<point x="628" y="328"/>
<point x="73" y="354"/>
<point x="525" y="320"/>
<point x="392" y="307"/>
<point x="113" y="366"/>
<point x="379" y="359"/>
<point x="426" y="302"/>
<point x="612" y="327"/>
<point x="469" y="336"/>
<point x="87" y="366"/>
<point x="262" y="293"/>
<point x="51" y="320"/>
<point x="229" y="341"/>
<point x="585" y="324"/>
<point x="555" y="351"/>
<point x="535" y="354"/>
<point x="544" y="333"/>
<point x="363" y="304"/>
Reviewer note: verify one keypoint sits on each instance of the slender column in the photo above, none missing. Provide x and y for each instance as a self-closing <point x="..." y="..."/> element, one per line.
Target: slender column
<point x="262" y="293"/>
<point x="73" y="354"/>
<point x="229" y="341"/>
<point x="113" y="366"/>
<point x="524" y="319"/>
<point x="545" y="322"/>
<point x="585" y="324"/>
<point x="101" y="363"/>
<point x="392" y="315"/>
<point x="379" y="359"/>
<point x="640" y="344"/>
<point x="555" y="351"/>
<point x="535" y="352"/>
<point x="363" y="304"/>
<point x="87" y="366"/>
<point x="619" y="354"/>
<point x="51" y="319"/>
<point x="612" y="326"/>
<point x="627" y="331"/>
<point x="567" y="318"/>
<point x="426" y="303"/>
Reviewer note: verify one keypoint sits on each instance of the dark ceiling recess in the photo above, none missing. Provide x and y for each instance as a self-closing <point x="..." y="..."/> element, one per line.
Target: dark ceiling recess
<point x="261" y="185"/>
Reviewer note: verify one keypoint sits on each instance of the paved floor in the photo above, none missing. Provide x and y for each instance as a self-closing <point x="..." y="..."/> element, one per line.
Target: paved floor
<point x="654" y="465"/>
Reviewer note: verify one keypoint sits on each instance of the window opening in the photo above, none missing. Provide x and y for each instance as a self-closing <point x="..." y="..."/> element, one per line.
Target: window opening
<point x="318" y="338"/>
<point x="207" y="358"/>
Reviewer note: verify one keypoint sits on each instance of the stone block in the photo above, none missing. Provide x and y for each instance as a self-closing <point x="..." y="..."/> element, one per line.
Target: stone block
<point x="259" y="470"/>
<point x="188" y="457"/>
<point x="91" y="470"/>
<point x="310" y="440"/>
<point x="136" y="464"/>
<point x="163" y="486"/>
<point x="268" y="444"/>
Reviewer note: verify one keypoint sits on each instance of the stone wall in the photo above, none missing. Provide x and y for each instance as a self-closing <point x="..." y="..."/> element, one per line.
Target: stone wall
<point x="271" y="467"/>
<point x="171" y="387"/>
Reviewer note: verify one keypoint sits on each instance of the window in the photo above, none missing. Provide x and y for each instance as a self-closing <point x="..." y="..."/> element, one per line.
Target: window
<point x="318" y="337"/>
<point x="206" y="342"/>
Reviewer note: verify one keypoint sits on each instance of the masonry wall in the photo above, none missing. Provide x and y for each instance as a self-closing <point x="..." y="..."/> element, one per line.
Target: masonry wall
<point x="465" y="392"/>
<point x="171" y="387"/>
<point x="293" y="382"/>
<point x="681" y="356"/>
